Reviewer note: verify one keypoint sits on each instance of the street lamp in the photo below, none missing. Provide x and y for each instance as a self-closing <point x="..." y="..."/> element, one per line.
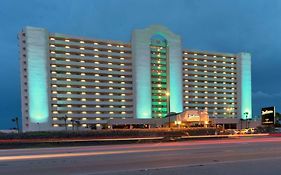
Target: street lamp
<point x="168" y="108"/>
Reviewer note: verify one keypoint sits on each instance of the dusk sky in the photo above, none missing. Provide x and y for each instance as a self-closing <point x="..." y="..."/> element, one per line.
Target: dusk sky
<point x="232" y="26"/>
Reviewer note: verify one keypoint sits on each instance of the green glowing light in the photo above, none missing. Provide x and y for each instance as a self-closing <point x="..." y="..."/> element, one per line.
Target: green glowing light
<point x="37" y="76"/>
<point x="246" y="87"/>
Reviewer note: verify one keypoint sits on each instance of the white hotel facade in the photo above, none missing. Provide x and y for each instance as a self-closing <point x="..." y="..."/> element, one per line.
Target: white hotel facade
<point x="66" y="78"/>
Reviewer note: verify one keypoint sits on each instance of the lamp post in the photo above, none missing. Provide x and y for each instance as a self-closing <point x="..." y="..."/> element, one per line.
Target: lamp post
<point x="168" y="108"/>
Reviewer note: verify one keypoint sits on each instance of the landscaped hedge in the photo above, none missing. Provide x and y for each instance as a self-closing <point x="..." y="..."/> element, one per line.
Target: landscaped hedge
<point x="115" y="133"/>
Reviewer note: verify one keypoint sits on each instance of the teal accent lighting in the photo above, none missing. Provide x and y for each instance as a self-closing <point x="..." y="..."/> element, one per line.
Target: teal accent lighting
<point x="245" y="86"/>
<point x="37" y="74"/>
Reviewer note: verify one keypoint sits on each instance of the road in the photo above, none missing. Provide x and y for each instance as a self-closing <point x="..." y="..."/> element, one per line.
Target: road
<point x="219" y="157"/>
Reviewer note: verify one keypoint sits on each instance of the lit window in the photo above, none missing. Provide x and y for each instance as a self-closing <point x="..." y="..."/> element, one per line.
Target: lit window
<point x="67" y="53"/>
<point x="82" y="42"/>
<point x="66" y="40"/>
<point x="82" y="55"/>
<point x="52" y="39"/>
<point x="82" y="48"/>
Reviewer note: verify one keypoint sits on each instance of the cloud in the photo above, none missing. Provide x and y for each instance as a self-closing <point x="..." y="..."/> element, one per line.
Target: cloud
<point x="261" y="94"/>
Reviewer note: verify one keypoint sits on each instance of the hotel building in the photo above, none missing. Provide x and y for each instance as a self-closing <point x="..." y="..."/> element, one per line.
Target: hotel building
<point x="68" y="80"/>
